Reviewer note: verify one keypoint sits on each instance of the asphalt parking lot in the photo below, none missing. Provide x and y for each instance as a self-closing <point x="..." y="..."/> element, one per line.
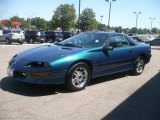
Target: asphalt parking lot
<point x="114" y="97"/>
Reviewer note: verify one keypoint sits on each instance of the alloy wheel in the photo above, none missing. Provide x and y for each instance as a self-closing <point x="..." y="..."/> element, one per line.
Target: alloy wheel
<point x="79" y="77"/>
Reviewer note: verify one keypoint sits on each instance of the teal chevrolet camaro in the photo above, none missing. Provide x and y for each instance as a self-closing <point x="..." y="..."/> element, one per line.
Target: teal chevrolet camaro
<point x="78" y="59"/>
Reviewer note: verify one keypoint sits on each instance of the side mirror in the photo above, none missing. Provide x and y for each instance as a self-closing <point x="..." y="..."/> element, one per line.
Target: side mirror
<point x="106" y="48"/>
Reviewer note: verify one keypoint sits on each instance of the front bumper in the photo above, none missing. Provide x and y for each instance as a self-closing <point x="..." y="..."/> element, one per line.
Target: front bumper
<point x="16" y="40"/>
<point x="40" y="39"/>
<point x="52" y="78"/>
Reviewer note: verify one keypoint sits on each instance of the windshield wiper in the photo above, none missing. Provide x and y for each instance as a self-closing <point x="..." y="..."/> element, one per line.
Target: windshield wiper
<point x="57" y="43"/>
<point x="71" y="45"/>
<point x="68" y="45"/>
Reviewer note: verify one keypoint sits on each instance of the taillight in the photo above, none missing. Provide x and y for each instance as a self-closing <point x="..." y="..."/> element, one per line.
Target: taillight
<point x="38" y="34"/>
<point x="70" y="35"/>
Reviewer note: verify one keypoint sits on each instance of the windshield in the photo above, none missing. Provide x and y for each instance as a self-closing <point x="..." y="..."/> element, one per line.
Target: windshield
<point x="15" y="31"/>
<point x="86" y="40"/>
<point x="58" y="34"/>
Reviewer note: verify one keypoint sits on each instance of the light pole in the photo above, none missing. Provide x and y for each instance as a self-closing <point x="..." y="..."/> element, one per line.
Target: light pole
<point x="79" y="16"/>
<point x="101" y="18"/>
<point x="110" y="1"/>
<point x="152" y="22"/>
<point x="137" y="14"/>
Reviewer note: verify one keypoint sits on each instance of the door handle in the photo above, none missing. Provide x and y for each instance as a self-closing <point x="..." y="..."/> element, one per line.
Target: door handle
<point x="130" y="51"/>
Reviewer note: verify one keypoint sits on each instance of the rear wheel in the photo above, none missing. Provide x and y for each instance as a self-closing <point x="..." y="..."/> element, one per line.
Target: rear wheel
<point x="8" y="41"/>
<point x="42" y="41"/>
<point x="78" y="77"/>
<point x="50" y="40"/>
<point x="139" y="66"/>
<point x="31" y="41"/>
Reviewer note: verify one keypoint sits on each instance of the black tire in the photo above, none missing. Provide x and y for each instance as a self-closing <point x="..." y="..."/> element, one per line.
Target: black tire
<point x="31" y="41"/>
<point x="138" y="66"/>
<point x="8" y="41"/>
<point x="21" y="42"/>
<point x="42" y="41"/>
<point x="50" y="40"/>
<point x="78" y="77"/>
<point x="27" y="41"/>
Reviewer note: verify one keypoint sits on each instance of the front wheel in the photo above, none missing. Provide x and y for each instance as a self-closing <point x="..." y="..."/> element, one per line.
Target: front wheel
<point x="139" y="66"/>
<point x="78" y="77"/>
<point x="21" y="42"/>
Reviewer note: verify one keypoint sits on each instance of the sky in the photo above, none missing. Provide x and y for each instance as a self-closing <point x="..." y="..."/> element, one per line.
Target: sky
<point x="122" y="12"/>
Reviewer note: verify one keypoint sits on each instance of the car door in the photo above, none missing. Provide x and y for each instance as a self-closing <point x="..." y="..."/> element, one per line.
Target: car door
<point x="121" y="57"/>
<point x="117" y="59"/>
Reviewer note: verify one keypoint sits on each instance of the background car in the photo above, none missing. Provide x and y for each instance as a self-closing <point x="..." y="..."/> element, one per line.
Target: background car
<point x="137" y="38"/>
<point x="76" y="60"/>
<point x="67" y="34"/>
<point x="35" y="36"/>
<point x="10" y="36"/>
<point x="53" y="36"/>
<point x="146" y="40"/>
<point x="141" y="39"/>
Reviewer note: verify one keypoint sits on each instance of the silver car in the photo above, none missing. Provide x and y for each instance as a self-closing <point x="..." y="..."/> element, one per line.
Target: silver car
<point x="10" y="36"/>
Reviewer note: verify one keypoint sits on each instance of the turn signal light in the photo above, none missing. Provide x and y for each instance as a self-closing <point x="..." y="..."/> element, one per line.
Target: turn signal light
<point x="39" y="74"/>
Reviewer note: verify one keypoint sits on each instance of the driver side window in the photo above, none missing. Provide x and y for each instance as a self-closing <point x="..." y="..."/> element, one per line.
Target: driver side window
<point x="118" y="41"/>
<point x="112" y="42"/>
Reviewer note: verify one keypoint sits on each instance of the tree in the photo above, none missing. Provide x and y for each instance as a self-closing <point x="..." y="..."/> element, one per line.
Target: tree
<point x="0" y="24"/>
<point x="145" y="31"/>
<point x="118" y="29"/>
<point x="39" y="23"/>
<point x="140" y="31"/>
<point x="49" y="25"/>
<point x="155" y="30"/>
<point x="134" y="30"/>
<point x="64" y="17"/>
<point x="88" y="20"/>
<point x="126" y="30"/>
<point x="102" y="27"/>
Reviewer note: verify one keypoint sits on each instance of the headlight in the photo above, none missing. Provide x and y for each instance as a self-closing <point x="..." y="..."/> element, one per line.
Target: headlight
<point x="13" y="60"/>
<point x="38" y="65"/>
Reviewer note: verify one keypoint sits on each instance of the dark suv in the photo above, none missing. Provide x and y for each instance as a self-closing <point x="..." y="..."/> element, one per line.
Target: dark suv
<point x="67" y="34"/>
<point x="35" y="36"/>
<point x="53" y="36"/>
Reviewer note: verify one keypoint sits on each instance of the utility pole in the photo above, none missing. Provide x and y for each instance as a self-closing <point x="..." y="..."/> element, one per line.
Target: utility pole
<point x="79" y="16"/>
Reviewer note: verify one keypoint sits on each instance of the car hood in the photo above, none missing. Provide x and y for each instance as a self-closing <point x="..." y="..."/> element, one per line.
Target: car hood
<point x="48" y="53"/>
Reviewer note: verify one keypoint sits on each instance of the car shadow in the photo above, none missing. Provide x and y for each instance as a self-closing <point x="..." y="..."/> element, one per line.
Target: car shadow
<point x="33" y="90"/>
<point x="3" y="43"/>
<point x="26" y="89"/>
<point x="155" y="48"/>
<point x="144" y="104"/>
<point x="107" y="78"/>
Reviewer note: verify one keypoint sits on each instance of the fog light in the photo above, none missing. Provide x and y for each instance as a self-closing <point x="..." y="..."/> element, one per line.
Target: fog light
<point x="24" y="74"/>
